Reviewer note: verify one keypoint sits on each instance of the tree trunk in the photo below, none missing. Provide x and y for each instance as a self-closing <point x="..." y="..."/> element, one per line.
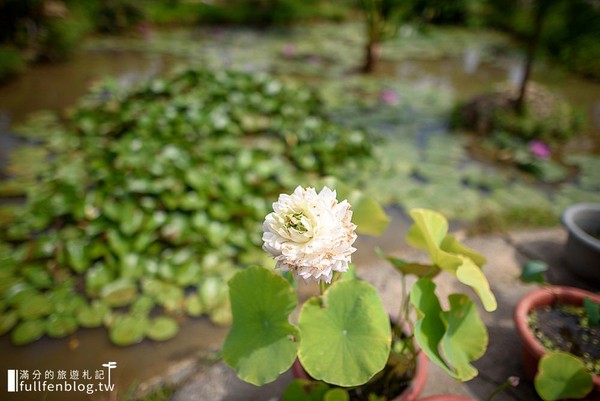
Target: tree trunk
<point x="372" y="54"/>
<point x="532" y="46"/>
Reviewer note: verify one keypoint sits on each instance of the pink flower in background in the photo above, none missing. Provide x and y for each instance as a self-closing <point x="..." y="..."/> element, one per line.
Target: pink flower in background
<point x="388" y="96"/>
<point x="289" y="50"/>
<point x="540" y="150"/>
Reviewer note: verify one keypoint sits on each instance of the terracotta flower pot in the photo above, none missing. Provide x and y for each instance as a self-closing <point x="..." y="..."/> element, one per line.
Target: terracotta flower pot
<point x="409" y="394"/>
<point x="445" y="397"/>
<point x="532" y="348"/>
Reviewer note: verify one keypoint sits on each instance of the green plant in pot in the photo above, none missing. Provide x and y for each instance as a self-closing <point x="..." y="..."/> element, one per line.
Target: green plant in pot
<point x="344" y="338"/>
<point x="559" y="328"/>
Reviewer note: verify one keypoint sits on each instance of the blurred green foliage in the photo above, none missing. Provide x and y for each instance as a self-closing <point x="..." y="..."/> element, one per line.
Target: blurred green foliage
<point x="154" y="196"/>
<point x="570" y="30"/>
<point x="11" y="62"/>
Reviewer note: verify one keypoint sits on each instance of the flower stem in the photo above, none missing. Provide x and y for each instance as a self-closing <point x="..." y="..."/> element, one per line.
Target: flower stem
<point x="511" y="382"/>
<point x="322" y="287"/>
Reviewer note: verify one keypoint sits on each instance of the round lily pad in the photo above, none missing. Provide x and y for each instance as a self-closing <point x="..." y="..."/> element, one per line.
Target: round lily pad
<point x="18" y="292"/>
<point x="35" y="307"/>
<point x="143" y="305"/>
<point x="162" y="328"/>
<point x="262" y="343"/>
<point x="193" y="306"/>
<point x="8" y="321"/>
<point x="92" y="315"/>
<point x="58" y="326"/>
<point x="127" y="330"/>
<point x="119" y="293"/>
<point x="347" y="327"/>
<point x="212" y="291"/>
<point x="562" y="375"/>
<point x="38" y="276"/>
<point x="97" y="277"/>
<point x="27" y="332"/>
<point x="66" y="302"/>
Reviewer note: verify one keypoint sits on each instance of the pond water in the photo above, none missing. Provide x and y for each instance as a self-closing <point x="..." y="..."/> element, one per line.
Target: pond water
<point x="88" y="349"/>
<point x="58" y="86"/>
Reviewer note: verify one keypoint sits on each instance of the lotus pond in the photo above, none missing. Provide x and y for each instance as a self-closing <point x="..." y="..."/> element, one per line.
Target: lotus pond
<point x="132" y="208"/>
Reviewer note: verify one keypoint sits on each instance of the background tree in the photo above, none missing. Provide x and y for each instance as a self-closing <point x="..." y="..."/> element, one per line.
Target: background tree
<point x="382" y="17"/>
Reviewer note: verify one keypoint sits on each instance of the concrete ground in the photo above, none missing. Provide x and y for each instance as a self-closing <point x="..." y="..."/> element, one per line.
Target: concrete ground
<point x="505" y="254"/>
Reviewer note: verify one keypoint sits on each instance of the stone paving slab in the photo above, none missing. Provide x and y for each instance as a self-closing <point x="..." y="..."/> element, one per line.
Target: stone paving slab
<point x="505" y="254"/>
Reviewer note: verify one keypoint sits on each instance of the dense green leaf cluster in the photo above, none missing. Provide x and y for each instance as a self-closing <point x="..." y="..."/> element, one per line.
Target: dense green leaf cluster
<point x="154" y="196"/>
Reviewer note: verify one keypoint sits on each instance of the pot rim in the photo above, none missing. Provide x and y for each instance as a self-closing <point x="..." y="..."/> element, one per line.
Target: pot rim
<point x="568" y="220"/>
<point x="541" y="297"/>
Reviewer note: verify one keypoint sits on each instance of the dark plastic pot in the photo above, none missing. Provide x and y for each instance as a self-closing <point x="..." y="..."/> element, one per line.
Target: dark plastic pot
<point x="583" y="250"/>
<point x="409" y="394"/>
<point x="445" y="397"/>
<point x="532" y="348"/>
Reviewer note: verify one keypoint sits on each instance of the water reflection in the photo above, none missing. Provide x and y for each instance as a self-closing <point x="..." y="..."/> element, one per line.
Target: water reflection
<point x="471" y="60"/>
<point x="57" y="86"/>
<point x="516" y="72"/>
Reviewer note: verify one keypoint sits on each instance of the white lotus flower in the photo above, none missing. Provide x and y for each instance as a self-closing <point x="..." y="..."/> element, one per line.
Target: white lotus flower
<point x="310" y="234"/>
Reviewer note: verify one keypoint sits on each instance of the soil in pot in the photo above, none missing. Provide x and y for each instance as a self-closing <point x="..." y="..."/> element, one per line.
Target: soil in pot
<point x="563" y="327"/>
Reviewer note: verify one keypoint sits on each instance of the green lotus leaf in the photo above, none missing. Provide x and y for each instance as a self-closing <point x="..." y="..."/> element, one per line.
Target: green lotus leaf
<point x="429" y="326"/>
<point x="152" y="286"/>
<point x="143" y="305"/>
<point x="38" y="276"/>
<point x="193" y="305"/>
<point x="142" y="240"/>
<point x="93" y="315"/>
<point x="592" y="311"/>
<point x="337" y="394"/>
<point x="451" y="339"/>
<point x="18" y="292"/>
<point x="261" y="343"/>
<point x="562" y="375"/>
<point x="428" y="231"/>
<point x="76" y="255"/>
<point x="305" y="390"/>
<point x="66" y="301"/>
<point x="221" y="315"/>
<point x="58" y="326"/>
<point x="171" y="297"/>
<point x="187" y="274"/>
<point x="162" y="328"/>
<point x="131" y="220"/>
<point x="97" y="277"/>
<point x="466" y="338"/>
<point x="131" y="266"/>
<point x="119" y="293"/>
<point x="7" y="282"/>
<point x="417" y="269"/>
<point x="212" y="291"/>
<point x="368" y="214"/>
<point x="117" y="243"/>
<point x="533" y="271"/>
<point x="8" y="320"/>
<point x="452" y="245"/>
<point x="34" y="307"/>
<point x="470" y="274"/>
<point x="27" y="332"/>
<point x="128" y="330"/>
<point x="348" y="326"/>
